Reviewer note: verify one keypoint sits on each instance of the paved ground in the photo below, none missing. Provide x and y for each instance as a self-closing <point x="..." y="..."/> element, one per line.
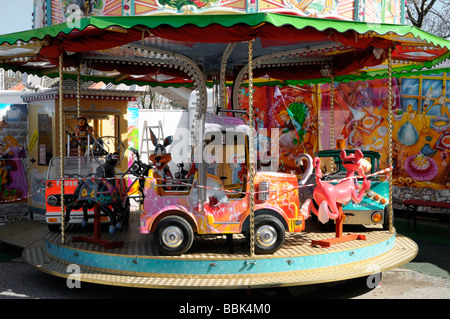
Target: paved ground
<point x="426" y="277"/>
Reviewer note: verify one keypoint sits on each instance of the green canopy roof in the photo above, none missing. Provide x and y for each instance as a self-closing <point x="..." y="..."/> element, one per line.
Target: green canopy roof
<point x="141" y="49"/>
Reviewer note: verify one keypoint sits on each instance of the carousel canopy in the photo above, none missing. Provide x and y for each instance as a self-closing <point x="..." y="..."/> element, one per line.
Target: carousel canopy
<point x="154" y="50"/>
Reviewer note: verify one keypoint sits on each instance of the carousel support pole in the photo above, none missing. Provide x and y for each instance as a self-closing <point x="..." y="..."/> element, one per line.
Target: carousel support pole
<point x="390" y="159"/>
<point x="251" y="155"/>
<point x="332" y="141"/>
<point x="78" y="112"/>
<point x="61" y="149"/>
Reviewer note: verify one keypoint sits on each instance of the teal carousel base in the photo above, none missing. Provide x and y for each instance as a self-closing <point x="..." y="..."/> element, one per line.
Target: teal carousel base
<point x="210" y="265"/>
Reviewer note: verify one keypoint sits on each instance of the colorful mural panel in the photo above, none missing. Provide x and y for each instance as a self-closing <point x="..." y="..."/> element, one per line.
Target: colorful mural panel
<point x="68" y="10"/>
<point x="13" y="132"/>
<point x="360" y="115"/>
<point x="421" y="136"/>
<point x="421" y="120"/>
<point x="285" y="118"/>
<point x="133" y="140"/>
<point x="421" y="132"/>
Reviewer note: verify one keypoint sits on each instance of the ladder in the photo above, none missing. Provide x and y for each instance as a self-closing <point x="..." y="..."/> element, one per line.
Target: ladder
<point x="147" y="146"/>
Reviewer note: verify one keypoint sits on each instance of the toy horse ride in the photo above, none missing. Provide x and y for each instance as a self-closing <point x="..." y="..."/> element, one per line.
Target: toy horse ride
<point x="102" y="191"/>
<point x="330" y="198"/>
<point x="110" y="194"/>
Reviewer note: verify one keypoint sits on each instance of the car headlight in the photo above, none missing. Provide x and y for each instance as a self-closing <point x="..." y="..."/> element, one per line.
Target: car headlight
<point x="377" y="217"/>
<point x="264" y="188"/>
<point x="52" y="200"/>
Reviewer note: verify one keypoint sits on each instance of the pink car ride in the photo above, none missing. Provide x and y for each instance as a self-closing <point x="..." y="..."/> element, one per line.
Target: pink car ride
<point x="173" y="211"/>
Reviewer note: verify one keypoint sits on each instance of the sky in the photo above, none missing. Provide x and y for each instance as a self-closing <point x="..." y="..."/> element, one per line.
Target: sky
<point x="16" y="15"/>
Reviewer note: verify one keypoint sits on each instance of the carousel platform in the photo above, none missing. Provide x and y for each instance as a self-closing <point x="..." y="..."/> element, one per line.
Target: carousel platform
<point x="22" y="233"/>
<point x="210" y="264"/>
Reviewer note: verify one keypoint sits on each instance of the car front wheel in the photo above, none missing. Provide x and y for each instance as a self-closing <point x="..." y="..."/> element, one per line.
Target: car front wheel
<point x="173" y="236"/>
<point x="269" y="234"/>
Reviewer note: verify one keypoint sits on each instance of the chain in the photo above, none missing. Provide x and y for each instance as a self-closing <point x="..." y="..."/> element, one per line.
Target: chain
<point x="251" y="155"/>
<point x="61" y="147"/>
<point x="390" y="116"/>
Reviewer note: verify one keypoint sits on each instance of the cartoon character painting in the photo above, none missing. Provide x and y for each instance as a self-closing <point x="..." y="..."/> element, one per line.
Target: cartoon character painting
<point x="289" y="135"/>
<point x="292" y="113"/>
<point x="179" y="5"/>
<point x="12" y="167"/>
<point x="86" y="7"/>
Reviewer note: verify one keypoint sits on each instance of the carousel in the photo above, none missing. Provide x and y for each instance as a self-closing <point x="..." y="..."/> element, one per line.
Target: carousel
<point x="208" y="229"/>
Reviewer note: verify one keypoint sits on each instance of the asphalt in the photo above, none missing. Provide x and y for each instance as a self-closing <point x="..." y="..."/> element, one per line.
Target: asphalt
<point x="433" y="239"/>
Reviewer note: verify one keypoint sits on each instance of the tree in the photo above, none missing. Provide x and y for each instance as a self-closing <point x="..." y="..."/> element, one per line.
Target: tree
<point x="430" y="15"/>
<point x="153" y="100"/>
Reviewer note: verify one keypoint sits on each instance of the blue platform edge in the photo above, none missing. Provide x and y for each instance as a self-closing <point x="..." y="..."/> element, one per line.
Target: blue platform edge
<point x="209" y="266"/>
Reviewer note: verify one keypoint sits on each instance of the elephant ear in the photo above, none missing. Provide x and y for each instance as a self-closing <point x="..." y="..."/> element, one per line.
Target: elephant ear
<point x="322" y="215"/>
<point x="358" y="154"/>
<point x="343" y="155"/>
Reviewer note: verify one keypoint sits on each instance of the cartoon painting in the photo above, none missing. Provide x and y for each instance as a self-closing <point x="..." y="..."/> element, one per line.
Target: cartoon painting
<point x="361" y="110"/>
<point x="421" y="130"/>
<point x="84" y="7"/>
<point x="421" y="136"/>
<point x="13" y="132"/>
<point x="285" y="123"/>
<point x="133" y="132"/>
<point x="133" y="140"/>
<point x="315" y="8"/>
<point x="70" y="10"/>
<point x="179" y="4"/>
<point x="387" y="11"/>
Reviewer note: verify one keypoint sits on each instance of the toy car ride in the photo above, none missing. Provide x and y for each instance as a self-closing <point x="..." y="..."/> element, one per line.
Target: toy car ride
<point x="173" y="215"/>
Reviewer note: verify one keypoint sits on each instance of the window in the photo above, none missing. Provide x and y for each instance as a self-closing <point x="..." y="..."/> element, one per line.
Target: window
<point x="45" y="142"/>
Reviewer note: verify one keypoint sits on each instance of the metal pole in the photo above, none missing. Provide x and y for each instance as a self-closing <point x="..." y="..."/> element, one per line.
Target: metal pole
<point x="332" y="141"/>
<point x="78" y="113"/>
<point x="251" y="157"/>
<point x="61" y="148"/>
<point x="390" y="127"/>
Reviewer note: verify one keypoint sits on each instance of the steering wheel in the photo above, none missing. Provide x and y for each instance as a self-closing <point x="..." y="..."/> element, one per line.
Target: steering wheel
<point x="105" y="145"/>
<point x="327" y="177"/>
<point x="72" y="175"/>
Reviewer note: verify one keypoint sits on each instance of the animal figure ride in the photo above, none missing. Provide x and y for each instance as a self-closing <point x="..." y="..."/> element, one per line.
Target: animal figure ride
<point x="161" y="158"/>
<point x="103" y="192"/>
<point x="331" y="197"/>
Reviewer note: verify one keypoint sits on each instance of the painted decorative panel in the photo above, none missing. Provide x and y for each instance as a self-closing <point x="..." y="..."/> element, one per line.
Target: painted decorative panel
<point x="51" y="12"/>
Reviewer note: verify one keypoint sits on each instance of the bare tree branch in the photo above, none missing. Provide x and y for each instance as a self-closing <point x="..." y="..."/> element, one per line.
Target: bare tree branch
<point x="430" y="15"/>
<point x="428" y="7"/>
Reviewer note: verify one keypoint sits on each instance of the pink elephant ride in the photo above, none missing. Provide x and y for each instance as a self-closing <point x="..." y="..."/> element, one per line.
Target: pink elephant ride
<point x="331" y="197"/>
